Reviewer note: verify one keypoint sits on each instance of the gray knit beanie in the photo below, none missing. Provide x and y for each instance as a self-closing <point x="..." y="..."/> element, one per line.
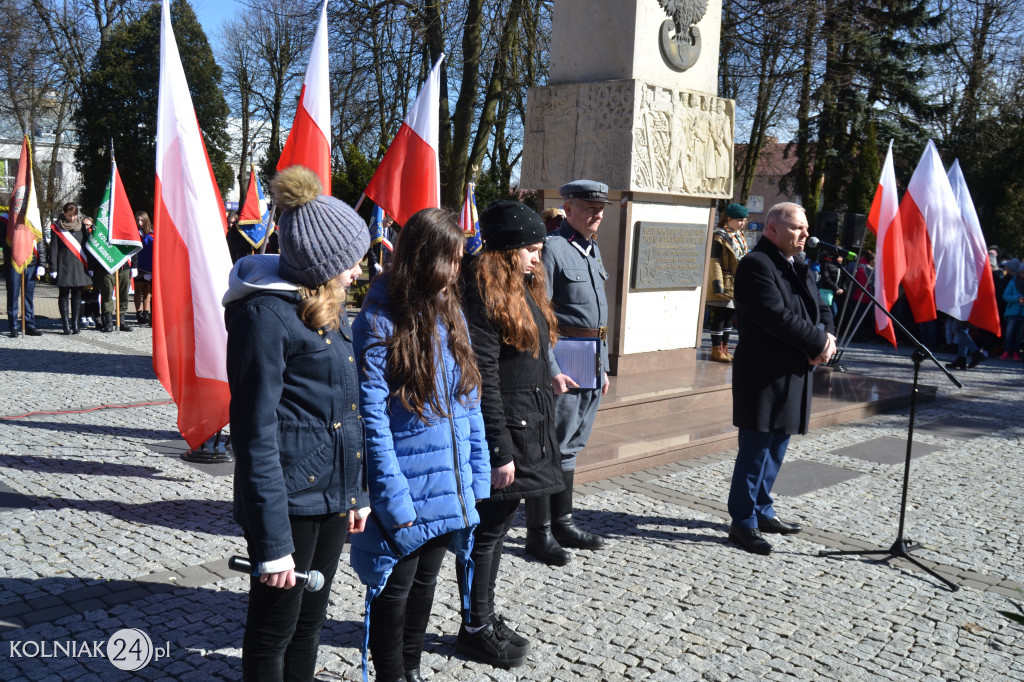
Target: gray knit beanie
<point x="320" y="236"/>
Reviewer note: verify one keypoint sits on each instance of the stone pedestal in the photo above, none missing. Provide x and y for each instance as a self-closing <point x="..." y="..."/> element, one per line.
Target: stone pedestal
<point x="619" y="112"/>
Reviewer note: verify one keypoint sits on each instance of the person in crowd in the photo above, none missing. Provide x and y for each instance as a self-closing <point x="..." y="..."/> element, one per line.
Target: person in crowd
<point x="34" y="269"/>
<point x="968" y="355"/>
<point x="575" y="284"/>
<point x="69" y="266"/>
<point x="113" y="288"/>
<point x="426" y="454"/>
<point x="552" y="218"/>
<point x="786" y="329"/>
<point x="830" y="286"/>
<point x="297" y="438"/>
<point x="512" y="326"/>
<point x="144" y="282"/>
<point x="863" y="272"/>
<point x="1013" y="295"/>
<point x="728" y="246"/>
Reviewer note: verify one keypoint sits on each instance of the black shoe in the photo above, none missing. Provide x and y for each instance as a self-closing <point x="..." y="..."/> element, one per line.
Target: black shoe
<point x="413" y="675"/>
<point x="959" y="363"/>
<point x="487" y="646"/>
<point x="777" y="525"/>
<point x="14" y="333"/>
<point x="562" y="526"/>
<point x="503" y="630"/>
<point x="539" y="541"/>
<point x="976" y="358"/>
<point x="125" y="327"/>
<point x="32" y="331"/>
<point x="750" y="539"/>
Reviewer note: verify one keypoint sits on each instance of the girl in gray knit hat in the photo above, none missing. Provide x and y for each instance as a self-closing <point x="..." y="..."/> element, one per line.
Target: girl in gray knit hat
<point x="296" y="433"/>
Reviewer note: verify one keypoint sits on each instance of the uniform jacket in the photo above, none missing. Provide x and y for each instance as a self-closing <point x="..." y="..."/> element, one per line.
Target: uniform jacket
<point x="71" y="272"/>
<point x="576" y="283"/>
<point x="1010" y="295"/>
<point x="516" y="399"/>
<point x="295" y="429"/>
<point x="721" y="271"/>
<point x="782" y="323"/>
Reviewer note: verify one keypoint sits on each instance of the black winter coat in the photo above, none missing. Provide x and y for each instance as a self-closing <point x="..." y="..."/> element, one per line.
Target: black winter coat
<point x="295" y="424"/>
<point x="782" y="323"/>
<point x="516" y="399"/>
<point x="71" y="272"/>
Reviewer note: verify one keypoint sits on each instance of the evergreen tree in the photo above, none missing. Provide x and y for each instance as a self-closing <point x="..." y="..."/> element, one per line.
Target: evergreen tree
<point x="119" y="103"/>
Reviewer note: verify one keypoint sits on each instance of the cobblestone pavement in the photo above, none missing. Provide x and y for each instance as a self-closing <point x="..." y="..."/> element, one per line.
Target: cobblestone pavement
<point x="103" y="527"/>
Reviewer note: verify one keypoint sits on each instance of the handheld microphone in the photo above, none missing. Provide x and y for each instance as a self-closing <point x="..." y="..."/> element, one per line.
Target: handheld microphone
<point x="312" y="581"/>
<point x="814" y="242"/>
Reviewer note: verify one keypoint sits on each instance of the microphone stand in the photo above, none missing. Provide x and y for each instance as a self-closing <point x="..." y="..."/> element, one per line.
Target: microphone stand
<point x="902" y="547"/>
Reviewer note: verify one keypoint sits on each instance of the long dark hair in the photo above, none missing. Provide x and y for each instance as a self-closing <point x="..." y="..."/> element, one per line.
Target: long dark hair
<point x="503" y="288"/>
<point x="423" y="290"/>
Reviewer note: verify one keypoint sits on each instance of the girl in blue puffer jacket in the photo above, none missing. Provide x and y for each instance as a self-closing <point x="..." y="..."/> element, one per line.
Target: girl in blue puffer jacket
<point x="426" y="456"/>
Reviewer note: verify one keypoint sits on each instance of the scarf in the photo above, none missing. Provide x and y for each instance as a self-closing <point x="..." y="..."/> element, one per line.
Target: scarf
<point x="736" y="242"/>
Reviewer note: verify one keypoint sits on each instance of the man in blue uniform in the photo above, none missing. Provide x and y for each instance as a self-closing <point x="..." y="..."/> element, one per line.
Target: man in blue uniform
<point x="786" y="329"/>
<point x="575" y="278"/>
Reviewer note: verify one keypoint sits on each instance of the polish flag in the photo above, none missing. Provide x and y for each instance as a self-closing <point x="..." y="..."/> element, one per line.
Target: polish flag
<point x="982" y="312"/>
<point x="24" y="226"/>
<point x="409" y="176"/>
<point x="309" y="141"/>
<point x="891" y="259"/>
<point x="190" y="259"/>
<point x="937" y="247"/>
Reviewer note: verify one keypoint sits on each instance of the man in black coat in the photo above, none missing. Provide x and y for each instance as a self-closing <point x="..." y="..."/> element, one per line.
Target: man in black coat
<point x="785" y="331"/>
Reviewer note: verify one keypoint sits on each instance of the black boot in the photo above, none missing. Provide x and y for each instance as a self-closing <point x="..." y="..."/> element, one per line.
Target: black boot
<point x="125" y="327"/>
<point x="976" y="359"/>
<point x="539" y="541"/>
<point x="562" y="526"/>
<point x="76" y="313"/>
<point x="62" y="306"/>
<point x="959" y="363"/>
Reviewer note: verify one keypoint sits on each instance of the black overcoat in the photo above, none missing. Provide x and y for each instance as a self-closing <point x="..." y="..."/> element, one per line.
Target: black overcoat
<point x="516" y="399"/>
<point x="71" y="272"/>
<point x="782" y="323"/>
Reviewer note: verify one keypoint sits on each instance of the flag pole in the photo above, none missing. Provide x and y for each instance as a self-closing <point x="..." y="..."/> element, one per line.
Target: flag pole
<point x="23" y="329"/>
<point x="117" y="296"/>
<point x="360" y="202"/>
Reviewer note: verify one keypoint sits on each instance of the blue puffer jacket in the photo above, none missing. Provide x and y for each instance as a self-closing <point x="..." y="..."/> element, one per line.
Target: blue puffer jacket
<point x="296" y="433"/>
<point x="429" y="474"/>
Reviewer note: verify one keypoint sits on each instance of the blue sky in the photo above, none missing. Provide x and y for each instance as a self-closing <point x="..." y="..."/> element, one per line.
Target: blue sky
<point x="212" y="13"/>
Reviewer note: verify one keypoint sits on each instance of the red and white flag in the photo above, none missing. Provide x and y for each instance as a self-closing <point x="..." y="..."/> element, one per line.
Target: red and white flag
<point x="982" y="312"/>
<point x="190" y="259"/>
<point x="408" y="178"/>
<point x="309" y="141"/>
<point x="891" y="259"/>
<point x="930" y="207"/>
<point x="24" y="227"/>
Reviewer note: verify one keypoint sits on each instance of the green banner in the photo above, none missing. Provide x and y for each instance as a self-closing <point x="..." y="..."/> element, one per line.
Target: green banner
<point x="110" y="256"/>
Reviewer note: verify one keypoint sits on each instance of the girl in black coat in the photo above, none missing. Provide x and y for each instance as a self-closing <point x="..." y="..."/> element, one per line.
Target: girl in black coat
<point x="511" y="324"/>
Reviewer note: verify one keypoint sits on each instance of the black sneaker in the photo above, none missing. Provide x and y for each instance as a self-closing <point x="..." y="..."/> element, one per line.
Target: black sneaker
<point x="487" y="646"/>
<point x="503" y="630"/>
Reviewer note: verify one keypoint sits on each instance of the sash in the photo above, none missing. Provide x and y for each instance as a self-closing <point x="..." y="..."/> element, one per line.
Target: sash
<point x="72" y="244"/>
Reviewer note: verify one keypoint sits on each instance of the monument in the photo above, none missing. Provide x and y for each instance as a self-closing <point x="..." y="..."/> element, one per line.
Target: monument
<point x="631" y="102"/>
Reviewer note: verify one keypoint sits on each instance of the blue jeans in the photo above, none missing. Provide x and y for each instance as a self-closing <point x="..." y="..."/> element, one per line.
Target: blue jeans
<point x="14" y="298"/>
<point x="757" y="465"/>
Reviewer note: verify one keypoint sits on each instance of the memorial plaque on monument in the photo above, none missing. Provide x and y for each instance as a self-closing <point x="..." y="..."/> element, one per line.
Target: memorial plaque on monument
<point x="669" y="255"/>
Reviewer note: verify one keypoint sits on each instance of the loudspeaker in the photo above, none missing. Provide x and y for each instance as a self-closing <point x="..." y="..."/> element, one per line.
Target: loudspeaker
<point x="826" y="226"/>
<point x="854" y="225"/>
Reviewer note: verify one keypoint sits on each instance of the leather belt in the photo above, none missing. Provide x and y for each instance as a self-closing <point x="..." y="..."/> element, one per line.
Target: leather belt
<point x="583" y="332"/>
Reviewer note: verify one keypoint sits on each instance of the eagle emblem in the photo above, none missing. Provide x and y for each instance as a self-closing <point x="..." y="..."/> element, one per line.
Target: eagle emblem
<point x="680" y="38"/>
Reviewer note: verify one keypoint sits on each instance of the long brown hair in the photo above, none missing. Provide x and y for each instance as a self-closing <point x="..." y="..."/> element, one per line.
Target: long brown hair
<point x="499" y="276"/>
<point x="423" y="291"/>
<point x="322" y="306"/>
<point x="147" y="225"/>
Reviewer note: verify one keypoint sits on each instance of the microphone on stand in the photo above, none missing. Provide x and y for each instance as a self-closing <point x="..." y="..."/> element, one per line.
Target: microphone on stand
<point x="814" y="242"/>
<point x="312" y="581"/>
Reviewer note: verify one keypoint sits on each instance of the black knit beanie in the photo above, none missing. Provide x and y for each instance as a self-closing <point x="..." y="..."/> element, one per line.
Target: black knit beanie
<point x="507" y="225"/>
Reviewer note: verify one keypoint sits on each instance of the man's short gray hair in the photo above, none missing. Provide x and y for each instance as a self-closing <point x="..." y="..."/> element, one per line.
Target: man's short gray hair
<point x="778" y="212"/>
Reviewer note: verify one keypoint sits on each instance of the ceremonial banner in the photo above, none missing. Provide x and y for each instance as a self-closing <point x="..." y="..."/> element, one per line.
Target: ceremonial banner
<point x="309" y="141"/>
<point x="408" y="178"/>
<point x="115" y="234"/>
<point x="469" y="221"/>
<point x="190" y="259"/>
<point x="254" y="217"/>
<point x="24" y="227"/>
